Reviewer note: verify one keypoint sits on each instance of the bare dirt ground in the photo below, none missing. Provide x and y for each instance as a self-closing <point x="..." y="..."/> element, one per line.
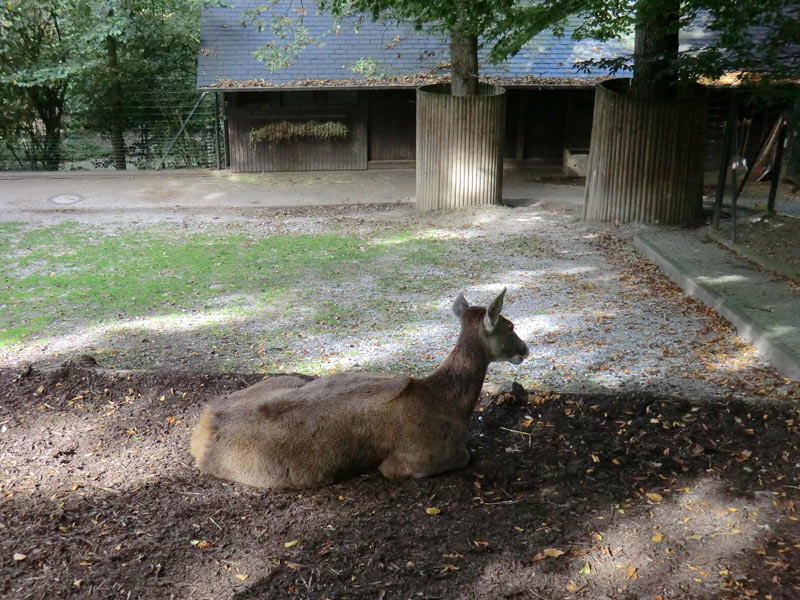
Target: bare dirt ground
<point x="771" y="241"/>
<point x="605" y="495"/>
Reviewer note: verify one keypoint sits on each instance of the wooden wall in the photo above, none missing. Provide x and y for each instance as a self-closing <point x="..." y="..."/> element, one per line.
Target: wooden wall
<point x="539" y="125"/>
<point x="250" y="110"/>
<point x="459" y="147"/>
<point x="392" y="123"/>
<point x="646" y="158"/>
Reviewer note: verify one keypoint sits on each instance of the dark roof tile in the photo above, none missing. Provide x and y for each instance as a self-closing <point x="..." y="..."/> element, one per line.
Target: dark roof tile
<point x="390" y="49"/>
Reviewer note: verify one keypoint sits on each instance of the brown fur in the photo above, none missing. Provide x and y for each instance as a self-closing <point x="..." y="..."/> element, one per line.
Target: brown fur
<point x="286" y="433"/>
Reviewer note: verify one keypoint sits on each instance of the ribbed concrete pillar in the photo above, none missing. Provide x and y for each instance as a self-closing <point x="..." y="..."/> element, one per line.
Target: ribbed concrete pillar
<point x="459" y="147"/>
<point x="645" y="158"/>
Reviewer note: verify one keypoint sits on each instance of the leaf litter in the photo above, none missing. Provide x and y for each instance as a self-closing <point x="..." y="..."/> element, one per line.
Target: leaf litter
<point x="716" y="516"/>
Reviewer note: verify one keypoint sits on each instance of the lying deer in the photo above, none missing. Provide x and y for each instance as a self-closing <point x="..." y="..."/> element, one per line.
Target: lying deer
<point x="285" y="432"/>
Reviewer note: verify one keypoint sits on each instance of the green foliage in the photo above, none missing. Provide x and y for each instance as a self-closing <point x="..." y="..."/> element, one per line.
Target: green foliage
<point x="751" y="36"/>
<point x="156" y="52"/>
<point x="466" y="19"/>
<point x="757" y="38"/>
<point x="282" y="131"/>
<point x="470" y="17"/>
<point x="368" y="67"/>
<point x="57" y="68"/>
<point x="760" y="40"/>
<point x="36" y="39"/>
<point x="290" y="35"/>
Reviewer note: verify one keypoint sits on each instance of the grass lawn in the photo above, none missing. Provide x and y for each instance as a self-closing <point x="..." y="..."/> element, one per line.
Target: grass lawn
<point x="62" y="279"/>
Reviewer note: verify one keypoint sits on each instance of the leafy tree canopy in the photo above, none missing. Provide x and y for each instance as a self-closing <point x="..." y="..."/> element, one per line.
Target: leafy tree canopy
<point x="54" y="55"/>
<point x="749" y="37"/>
<point x="755" y="38"/>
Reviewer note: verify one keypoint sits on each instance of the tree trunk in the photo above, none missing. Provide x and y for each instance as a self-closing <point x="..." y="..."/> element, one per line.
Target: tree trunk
<point x="463" y="63"/>
<point x="49" y="105"/>
<point x="645" y="158"/>
<point x="655" y="49"/>
<point x="117" y="140"/>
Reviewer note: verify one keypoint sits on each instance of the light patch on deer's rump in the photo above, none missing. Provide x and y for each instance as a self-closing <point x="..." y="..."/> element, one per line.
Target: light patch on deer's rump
<point x="200" y="436"/>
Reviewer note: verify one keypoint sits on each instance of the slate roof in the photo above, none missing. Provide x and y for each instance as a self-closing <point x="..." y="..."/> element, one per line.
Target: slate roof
<point x="400" y="56"/>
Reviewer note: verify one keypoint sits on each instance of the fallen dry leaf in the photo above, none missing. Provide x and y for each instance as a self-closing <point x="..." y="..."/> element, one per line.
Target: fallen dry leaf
<point x="290" y="544"/>
<point x="657" y="537"/>
<point x="655" y="497"/>
<point x="19" y="556"/>
<point x="242" y="576"/>
<point x="631" y="573"/>
<point x="552" y="552"/>
<point x="432" y="510"/>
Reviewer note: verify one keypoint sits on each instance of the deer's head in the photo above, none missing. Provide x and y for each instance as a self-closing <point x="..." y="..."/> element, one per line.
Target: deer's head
<point x="495" y="332"/>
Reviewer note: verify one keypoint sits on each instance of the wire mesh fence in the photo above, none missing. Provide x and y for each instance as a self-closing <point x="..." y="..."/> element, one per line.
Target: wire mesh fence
<point x="162" y="126"/>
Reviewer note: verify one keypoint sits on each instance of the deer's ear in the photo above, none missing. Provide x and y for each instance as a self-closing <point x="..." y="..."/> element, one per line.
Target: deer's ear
<point x="493" y="311"/>
<point x="460" y="305"/>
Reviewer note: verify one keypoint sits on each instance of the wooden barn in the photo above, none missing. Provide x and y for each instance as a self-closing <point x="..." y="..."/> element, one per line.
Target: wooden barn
<point x="345" y="97"/>
<point x="365" y="80"/>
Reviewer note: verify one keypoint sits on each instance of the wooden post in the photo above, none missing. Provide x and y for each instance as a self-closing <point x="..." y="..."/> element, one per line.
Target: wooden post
<point x="737" y="162"/>
<point x="216" y="130"/>
<point x="522" y="115"/>
<point x="724" y="163"/>
<point x="776" y="167"/>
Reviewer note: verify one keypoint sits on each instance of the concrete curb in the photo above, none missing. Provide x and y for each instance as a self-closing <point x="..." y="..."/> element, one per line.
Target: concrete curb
<point x="785" y="359"/>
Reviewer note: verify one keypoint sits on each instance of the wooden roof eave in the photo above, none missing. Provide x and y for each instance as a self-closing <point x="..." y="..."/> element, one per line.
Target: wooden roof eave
<point x="577" y="85"/>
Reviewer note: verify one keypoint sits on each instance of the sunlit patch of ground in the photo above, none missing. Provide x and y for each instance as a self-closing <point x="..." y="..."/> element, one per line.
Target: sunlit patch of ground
<point x="344" y="289"/>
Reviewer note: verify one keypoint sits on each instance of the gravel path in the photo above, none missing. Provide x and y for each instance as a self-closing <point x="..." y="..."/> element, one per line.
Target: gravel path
<point x="595" y="314"/>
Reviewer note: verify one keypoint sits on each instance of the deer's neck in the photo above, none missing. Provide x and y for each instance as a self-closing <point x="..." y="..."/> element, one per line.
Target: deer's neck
<point x="458" y="381"/>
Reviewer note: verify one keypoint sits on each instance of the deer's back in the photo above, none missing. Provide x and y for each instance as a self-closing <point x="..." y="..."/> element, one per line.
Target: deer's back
<point x="302" y="436"/>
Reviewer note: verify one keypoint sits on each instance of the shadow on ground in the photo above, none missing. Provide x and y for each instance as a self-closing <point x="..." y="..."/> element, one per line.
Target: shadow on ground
<point x="602" y="495"/>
